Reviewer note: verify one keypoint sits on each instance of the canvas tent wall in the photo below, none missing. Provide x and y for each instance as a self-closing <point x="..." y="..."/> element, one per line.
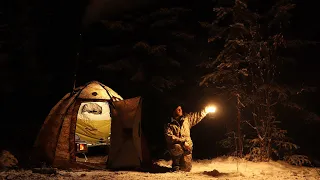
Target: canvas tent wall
<point x="128" y="147"/>
<point x="55" y="143"/>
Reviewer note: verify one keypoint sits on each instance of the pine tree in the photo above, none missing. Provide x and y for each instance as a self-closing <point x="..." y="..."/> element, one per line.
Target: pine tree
<point x="248" y="68"/>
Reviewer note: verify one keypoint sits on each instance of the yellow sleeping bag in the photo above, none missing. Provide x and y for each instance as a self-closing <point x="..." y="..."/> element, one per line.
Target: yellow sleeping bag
<point x="92" y="131"/>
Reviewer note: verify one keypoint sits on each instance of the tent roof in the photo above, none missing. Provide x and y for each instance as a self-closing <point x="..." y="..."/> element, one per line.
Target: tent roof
<point x="97" y="90"/>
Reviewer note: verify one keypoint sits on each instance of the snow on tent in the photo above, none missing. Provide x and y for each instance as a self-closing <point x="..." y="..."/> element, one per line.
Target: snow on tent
<point x="128" y="145"/>
<point x="85" y="113"/>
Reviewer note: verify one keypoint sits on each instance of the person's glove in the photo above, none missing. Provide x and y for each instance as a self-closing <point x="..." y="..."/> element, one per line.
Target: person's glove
<point x="183" y="140"/>
<point x="187" y="147"/>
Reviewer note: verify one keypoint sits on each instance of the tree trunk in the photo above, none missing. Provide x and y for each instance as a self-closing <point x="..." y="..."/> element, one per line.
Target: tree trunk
<point x="239" y="139"/>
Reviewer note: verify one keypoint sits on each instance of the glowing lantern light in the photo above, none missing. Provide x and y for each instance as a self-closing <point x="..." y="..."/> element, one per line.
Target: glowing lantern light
<point x="211" y="109"/>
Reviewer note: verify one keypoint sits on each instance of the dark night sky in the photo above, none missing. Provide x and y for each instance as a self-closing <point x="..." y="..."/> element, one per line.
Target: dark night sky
<point x="39" y="71"/>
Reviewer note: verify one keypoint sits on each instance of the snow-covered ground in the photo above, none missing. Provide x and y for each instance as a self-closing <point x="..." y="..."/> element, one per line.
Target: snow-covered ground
<point x="218" y="168"/>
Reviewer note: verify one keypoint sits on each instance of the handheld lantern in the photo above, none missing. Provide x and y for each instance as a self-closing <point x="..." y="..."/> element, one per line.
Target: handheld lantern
<point x="211" y="109"/>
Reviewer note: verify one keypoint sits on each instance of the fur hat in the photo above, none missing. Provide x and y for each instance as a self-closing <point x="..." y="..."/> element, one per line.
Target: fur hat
<point x="173" y="105"/>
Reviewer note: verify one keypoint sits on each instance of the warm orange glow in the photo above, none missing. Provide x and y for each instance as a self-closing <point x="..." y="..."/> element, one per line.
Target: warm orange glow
<point x="211" y="109"/>
<point x="81" y="147"/>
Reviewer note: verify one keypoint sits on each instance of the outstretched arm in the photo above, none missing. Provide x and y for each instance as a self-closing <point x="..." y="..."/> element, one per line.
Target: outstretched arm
<point x="196" y="117"/>
<point x="170" y="137"/>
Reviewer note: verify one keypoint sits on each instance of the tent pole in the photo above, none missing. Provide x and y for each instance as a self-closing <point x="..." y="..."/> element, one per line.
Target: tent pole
<point x="77" y="61"/>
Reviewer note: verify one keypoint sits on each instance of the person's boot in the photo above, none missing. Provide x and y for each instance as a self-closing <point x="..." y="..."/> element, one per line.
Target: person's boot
<point x="176" y="163"/>
<point x="175" y="168"/>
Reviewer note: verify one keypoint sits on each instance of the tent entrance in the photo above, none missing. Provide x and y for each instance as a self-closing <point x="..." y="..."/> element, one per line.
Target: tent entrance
<point x="93" y="130"/>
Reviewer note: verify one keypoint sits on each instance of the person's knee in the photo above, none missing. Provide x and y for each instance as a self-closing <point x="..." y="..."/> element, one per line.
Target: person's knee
<point x="176" y="150"/>
<point x="177" y="146"/>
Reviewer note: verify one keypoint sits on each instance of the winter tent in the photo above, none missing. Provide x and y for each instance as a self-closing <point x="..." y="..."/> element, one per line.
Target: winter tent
<point x="55" y="143"/>
<point x="128" y="147"/>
